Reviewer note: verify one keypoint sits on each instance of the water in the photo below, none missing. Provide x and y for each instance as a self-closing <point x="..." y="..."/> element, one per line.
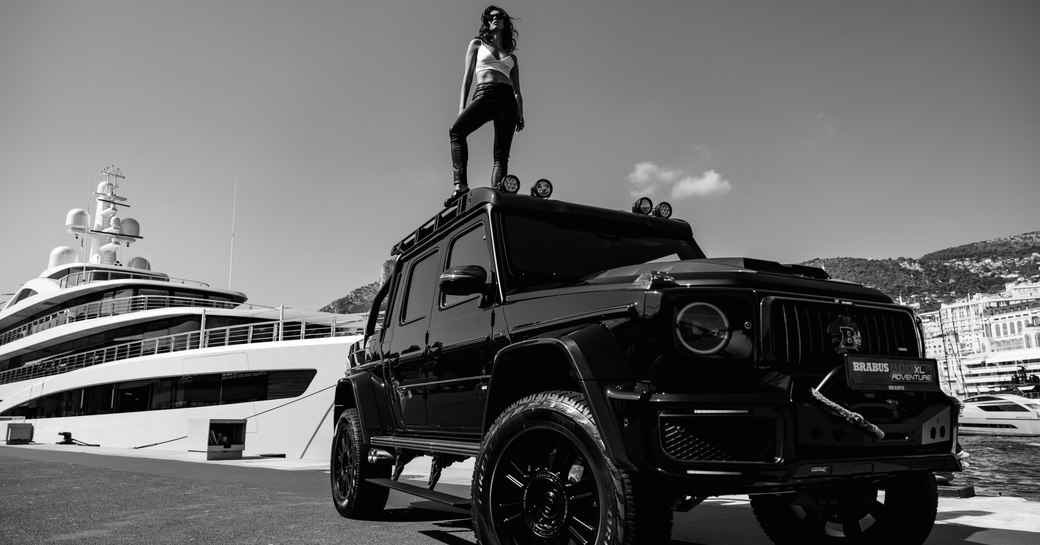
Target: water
<point x="1002" y="466"/>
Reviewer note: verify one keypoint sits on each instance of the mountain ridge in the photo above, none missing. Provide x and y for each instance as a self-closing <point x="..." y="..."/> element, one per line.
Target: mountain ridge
<point x="945" y="275"/>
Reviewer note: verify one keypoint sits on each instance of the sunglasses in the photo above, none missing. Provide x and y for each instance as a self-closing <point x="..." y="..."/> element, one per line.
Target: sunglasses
<point x="495" y="15"/>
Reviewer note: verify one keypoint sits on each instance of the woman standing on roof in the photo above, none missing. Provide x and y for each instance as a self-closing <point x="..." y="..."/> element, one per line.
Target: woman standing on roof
<point x="489" y="60"/>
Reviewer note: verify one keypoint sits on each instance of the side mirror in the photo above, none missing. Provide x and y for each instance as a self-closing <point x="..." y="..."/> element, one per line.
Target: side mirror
<point x="464" y="280"/>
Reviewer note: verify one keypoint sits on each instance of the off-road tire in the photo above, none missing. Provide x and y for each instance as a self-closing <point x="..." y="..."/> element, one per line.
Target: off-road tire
<point x="905" y="516"/>
<point x="348" y="469"/>
<point x="543" y="475"/>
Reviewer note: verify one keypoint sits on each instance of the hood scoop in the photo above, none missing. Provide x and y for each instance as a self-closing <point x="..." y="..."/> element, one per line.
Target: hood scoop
<point x="762" y="265"/>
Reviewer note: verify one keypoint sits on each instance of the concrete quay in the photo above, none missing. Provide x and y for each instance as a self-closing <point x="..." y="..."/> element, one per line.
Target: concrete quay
<point x="63" y="494"/>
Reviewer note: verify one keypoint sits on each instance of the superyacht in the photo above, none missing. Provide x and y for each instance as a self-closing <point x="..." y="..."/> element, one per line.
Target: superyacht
<point x="100" y="352"/>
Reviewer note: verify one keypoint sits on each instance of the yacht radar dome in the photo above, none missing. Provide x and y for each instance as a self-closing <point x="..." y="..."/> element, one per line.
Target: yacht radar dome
<point x="62" y="255"/>
<point x="139" y="263"/>
<point x="114" y="225"/>
<point x="130" y="227"/>
<point x="77" y="222"/>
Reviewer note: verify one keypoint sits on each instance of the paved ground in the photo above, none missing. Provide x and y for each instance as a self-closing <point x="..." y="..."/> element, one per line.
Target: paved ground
<point x="53" y="494"/>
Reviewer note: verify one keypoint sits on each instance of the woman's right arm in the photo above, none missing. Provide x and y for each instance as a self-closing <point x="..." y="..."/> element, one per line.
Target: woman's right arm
<point x="467" y="76"/>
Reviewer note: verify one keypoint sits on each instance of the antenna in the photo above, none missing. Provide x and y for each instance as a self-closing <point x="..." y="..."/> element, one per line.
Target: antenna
<point x="234" y="209"/>
<point x="112" y="172"/>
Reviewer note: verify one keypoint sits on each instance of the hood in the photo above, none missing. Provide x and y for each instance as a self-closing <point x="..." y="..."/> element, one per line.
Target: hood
<point x="735" y="272"/>
<point x="699" y="267"/>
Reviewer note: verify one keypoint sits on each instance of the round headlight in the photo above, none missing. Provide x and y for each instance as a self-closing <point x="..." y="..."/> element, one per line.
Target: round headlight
<point x="510" y="184"/>
<point x="542" y="189"/>
<point x="643" y="206"/>
<point x="663" y="210"/>
<point x="702" y="328"/>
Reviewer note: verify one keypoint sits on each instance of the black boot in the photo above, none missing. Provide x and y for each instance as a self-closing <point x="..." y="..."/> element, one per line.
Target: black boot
<point x="498" y="171"/>
<point x="460" y="190"/>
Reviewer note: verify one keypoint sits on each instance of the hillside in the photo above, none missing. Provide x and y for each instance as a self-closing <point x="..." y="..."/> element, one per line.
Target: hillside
<point x="945" y="275"/>
<point x="936" y="277"/>
<point x="358" y="300"/>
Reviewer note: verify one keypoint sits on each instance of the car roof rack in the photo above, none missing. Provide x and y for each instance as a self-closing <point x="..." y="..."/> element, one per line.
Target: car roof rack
<point x="483" y="196"/>
<point x="443" y="218"/>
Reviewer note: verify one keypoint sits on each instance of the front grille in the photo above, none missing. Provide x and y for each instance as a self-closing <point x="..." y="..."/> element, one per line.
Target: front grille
<point x="797" y="331"/>
<point x="719" y="439"/>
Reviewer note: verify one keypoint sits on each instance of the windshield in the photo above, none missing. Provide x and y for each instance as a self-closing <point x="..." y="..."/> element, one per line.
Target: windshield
<point x="549" y="251"/>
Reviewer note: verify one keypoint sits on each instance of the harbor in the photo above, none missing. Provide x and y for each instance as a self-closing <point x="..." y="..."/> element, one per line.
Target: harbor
<point x="60" y="494"/>
<point x="1002" y="466"/>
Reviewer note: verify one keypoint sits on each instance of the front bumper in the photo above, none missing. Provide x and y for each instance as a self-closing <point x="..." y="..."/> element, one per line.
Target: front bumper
<point x="772" y="441"/>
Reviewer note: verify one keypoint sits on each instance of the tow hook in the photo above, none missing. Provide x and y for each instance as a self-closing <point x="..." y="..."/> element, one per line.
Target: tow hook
<point x="849" y="416"/>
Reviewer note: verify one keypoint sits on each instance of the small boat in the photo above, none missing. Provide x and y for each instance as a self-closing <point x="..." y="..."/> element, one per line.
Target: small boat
<point x="1000" y="414"/>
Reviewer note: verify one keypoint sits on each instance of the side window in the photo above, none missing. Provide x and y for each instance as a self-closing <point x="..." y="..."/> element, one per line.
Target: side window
<point x="421" y="285"/>
<point x="470" y="248"/>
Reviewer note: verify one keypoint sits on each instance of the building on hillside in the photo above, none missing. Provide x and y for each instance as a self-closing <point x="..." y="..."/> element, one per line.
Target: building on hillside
<point x="982" y="343"/>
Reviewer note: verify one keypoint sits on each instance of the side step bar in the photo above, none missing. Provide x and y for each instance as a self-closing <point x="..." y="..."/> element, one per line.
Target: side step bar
<point x="439" y="497"/>
<point x="458" y="448"/>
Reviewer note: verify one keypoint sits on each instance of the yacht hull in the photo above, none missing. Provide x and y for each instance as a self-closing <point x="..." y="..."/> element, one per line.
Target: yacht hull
<point x="298" y="427"/>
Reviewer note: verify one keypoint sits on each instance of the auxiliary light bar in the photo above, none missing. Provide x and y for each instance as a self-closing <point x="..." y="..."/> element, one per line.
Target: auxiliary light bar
<point x="643" y="206"/>
<point x="542" y="189"/>
<point x="646" y="207"/>
<point x="663" y="210"/>
<point x="510" y="184"/>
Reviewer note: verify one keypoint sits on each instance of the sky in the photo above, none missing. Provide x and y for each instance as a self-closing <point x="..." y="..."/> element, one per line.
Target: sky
<point x="281" y="148"/>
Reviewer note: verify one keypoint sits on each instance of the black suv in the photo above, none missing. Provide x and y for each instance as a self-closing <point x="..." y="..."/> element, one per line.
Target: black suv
<point x="605" y="373"/>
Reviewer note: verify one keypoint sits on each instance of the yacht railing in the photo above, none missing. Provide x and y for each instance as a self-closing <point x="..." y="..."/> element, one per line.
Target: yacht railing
<point x="193" y="340"/>
<point x="86" y="277"/>
<point x="111" y="307"/>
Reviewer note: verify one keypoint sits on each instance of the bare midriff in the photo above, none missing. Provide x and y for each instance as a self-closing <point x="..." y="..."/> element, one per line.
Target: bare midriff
<point x="492" y="76"/>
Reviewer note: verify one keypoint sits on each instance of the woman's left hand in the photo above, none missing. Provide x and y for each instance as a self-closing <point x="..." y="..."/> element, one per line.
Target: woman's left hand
<point x="519" y="122"/>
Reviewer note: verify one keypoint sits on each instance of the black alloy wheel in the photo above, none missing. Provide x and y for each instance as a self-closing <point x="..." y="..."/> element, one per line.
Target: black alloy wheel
<point x="348" y="469"/>
<point x="543" y="476"/>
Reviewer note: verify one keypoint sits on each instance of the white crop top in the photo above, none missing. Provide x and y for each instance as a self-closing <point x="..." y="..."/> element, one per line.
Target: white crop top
<point x="486" y="61"/>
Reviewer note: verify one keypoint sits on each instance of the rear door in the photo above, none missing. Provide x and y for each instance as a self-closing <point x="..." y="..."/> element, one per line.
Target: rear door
<point x="408" y="352"/>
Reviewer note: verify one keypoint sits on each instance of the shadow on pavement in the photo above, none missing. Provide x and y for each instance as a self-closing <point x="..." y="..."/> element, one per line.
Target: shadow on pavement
<point x="953" y="534"/>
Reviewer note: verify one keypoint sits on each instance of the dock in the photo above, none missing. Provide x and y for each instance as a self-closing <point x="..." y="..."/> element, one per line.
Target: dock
<point x="68" y="493"/>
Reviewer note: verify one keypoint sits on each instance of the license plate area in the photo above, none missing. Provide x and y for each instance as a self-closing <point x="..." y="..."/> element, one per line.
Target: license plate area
<point x="866" y="372"/>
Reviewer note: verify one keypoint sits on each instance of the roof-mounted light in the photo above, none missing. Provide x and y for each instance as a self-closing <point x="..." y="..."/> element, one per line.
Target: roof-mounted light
<point x="510" y="184"/>
<point x="643" y="206"/>
<point x="663" y="210"/>
<point x="542" y="189"/>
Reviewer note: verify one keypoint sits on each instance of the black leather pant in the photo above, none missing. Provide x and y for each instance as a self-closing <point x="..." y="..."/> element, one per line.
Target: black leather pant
<point x="491" y="102"/>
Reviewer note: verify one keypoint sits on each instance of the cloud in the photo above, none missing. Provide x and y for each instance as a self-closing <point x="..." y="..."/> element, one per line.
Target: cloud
<point x="648" y="178"/>
<point x="709" y="183"/>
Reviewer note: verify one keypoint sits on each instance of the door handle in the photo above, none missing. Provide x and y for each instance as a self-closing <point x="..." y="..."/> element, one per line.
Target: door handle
<point x="435" y="349"/>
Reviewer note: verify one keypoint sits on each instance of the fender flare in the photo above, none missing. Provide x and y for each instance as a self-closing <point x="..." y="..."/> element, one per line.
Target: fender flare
<point x="582" y="348"/>
<point x="365" y="392"/>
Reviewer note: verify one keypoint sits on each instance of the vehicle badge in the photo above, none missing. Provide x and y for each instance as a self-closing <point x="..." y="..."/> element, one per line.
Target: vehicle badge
<point x="845" y="334"/>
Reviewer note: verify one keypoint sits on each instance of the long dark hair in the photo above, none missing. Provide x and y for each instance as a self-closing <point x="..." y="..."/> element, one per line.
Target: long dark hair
<point x="508" y="32"/>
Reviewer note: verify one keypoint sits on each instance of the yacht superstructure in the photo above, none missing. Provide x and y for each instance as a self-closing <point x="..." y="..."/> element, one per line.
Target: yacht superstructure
<point x="122" y="356"/>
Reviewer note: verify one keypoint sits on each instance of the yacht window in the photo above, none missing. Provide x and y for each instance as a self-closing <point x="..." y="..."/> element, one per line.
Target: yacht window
<point x="1004" y="407"/>
<point x="22" y="295"/>
<point x="981" y="398"/>
<point x="168" y="393"/>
